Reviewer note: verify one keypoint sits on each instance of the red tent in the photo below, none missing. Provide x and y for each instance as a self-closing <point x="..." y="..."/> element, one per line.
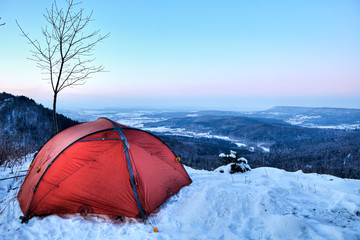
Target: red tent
<point x="101" y="167"/>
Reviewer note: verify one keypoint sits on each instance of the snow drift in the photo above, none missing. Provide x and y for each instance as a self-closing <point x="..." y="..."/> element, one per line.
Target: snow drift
<point x="265" y="203"/>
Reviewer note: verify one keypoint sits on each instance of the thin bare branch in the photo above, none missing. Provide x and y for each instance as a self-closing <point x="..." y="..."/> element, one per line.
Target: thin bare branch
<point x="66" y="53"/>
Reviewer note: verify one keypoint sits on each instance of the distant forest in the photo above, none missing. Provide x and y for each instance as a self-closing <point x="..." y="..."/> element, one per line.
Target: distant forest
<point x="25" y="126"/>
<point x="292" y="148"/>
<point x="335" y="155"/>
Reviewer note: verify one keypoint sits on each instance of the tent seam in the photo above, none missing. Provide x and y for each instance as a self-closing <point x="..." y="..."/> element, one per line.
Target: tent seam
<point x="41" y="177"/>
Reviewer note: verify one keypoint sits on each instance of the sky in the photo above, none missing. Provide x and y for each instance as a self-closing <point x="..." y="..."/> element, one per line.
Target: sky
<point x="224" y="55"/>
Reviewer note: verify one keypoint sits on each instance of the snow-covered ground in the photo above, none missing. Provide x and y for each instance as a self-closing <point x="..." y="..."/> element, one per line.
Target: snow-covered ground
<point x="266" y="203"/>
<point x="301" y="120"/>
<point x="131" y="118"/>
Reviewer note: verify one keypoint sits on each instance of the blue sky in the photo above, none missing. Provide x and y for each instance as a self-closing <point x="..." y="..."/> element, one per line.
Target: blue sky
<point x="238" y="55"/>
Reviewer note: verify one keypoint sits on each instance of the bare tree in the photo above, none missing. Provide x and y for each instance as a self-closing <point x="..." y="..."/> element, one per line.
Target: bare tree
<point x="66" y="55"/>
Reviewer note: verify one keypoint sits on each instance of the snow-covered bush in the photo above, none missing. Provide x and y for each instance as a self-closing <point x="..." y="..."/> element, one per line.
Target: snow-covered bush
<point x="234" y="163"/>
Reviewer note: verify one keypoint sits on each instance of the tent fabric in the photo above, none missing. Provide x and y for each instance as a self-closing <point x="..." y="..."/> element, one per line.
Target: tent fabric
<point x="101" y="167"/>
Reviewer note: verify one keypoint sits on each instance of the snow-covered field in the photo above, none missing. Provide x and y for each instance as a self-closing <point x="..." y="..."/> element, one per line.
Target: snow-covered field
<point x="137" y="119"/>
<point x="131" y="118"/>
<point x="265" y="203"/>
<point x="302" y="120"/>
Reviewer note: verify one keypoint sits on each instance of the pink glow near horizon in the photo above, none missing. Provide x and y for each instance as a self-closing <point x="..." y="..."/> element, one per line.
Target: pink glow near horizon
<point x="186" y="50"/>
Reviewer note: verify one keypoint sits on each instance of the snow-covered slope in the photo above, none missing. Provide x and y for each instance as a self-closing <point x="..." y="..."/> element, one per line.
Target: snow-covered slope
<point x="265" y="203"/>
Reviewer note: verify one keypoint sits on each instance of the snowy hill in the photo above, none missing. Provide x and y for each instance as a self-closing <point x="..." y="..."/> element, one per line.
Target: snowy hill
<point x="25" y="126"/>
<point x="266" y="203"/>
<point x="315" y="117"/>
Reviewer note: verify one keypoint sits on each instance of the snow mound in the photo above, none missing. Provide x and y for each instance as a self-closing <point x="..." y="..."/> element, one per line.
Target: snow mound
<point x="234" y="167"/>
<point x="265" y="203"/>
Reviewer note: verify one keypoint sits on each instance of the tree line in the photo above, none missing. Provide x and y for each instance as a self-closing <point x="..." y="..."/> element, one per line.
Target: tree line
<point x="24" y="126"/>
<point x="338" y="156"/>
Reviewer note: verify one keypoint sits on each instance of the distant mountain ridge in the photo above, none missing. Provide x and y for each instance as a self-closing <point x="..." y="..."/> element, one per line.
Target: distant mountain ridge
<point x="246" y="128"/>
<point x="314" y="117"/>
<point x="311" y="117"/>
<point x="298" y="109"/>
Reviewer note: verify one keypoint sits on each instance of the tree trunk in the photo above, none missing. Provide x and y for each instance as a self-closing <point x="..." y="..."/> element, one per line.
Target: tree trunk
<point x="54" y="113"/>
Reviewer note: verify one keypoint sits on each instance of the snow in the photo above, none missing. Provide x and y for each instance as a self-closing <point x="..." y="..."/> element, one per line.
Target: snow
<point x="299" y="119"/>
<point x="231" y="155"/>
<point x="265" y="149"/>
<point x="302" y="119"/>
<point x="131" y="118"/>
<point x="138" y="119"/>
<point x="241" y="144"/>
<point x="227" y="168"/>
<point x="242" y="159"/>
<point x="340" y="127"/>
<point x="184" y="132"/>
<point x="192" y="115"/>
<point x="265" y="203"/>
